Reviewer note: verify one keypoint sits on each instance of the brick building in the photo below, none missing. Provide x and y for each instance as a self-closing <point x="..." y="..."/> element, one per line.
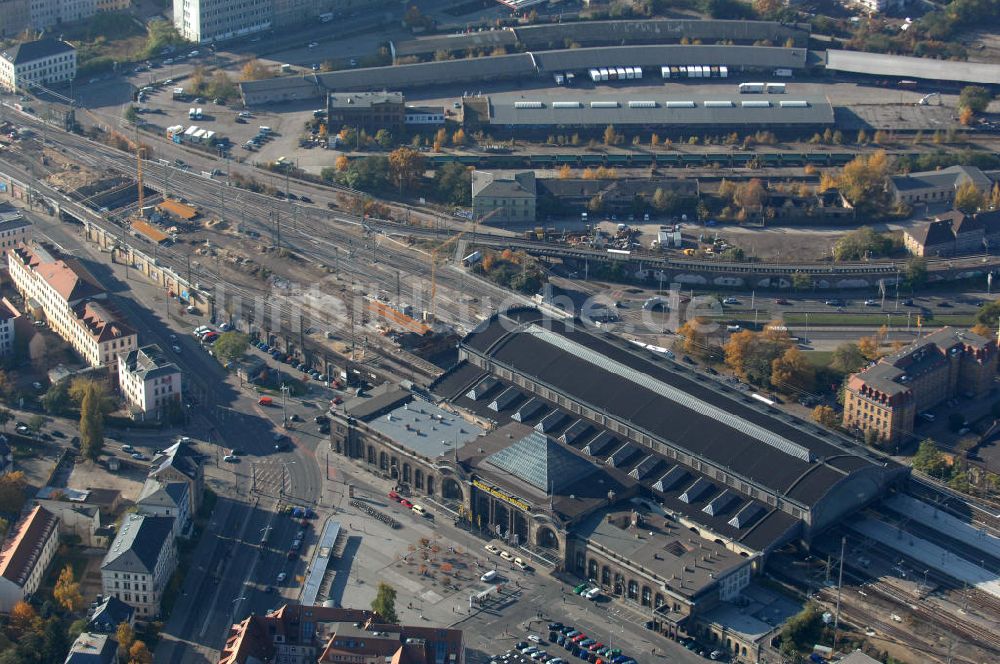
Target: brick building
<point x="886" y="397"/>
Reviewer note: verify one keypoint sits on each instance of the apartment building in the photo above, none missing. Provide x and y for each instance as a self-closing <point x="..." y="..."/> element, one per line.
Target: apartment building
<point x="15" y="17"/>
<point x="138" y="566"/>
<point x="10" y="318"/>
<point x="44" y="62"/>
<point x="886" y="397"/>
<point x="171" y="499"/>
<point x="73" y="303"/>
<point x="26" y="555"/>
<point x="180" y="463"/>
<point x="149" y="381"/>
<point x="206" y="21"/>
<point x="14" y="228"/>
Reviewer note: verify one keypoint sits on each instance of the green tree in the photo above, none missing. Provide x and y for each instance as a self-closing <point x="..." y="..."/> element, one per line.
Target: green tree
<point x="5" y="417"/>
<point x="988" y="315"/>
<point x="847" y="358"/>
<point x="384" y="138"/>
<point x="860" y="244"/>
<point x="56" y="399"/>
<point x="35" y="423"/>
<point x="222" y="86"/>
<point x="930" y="460"/>
<point x="384" y="603"/>
<point x="801" y="281"/>
<point x="453" y="184"/>
<point x="12" y="492"/>
<point x="792" y="372"/>
<point x="974" y="97"/>
<point x="131" y="115"/>
<point x="91" y="423"/>
<point x="803" y="629"/>
<point x="230" y="346"/>
<point x="915" y="271"/>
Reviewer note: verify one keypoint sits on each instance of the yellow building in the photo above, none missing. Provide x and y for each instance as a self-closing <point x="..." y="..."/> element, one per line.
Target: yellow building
<point x="74" y="304"/>
<point x="886" y="397"/>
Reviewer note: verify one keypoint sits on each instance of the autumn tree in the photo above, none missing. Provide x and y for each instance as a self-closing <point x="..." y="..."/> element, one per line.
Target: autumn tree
<point x="968" y="198"/>
<point x="966" y="116"/>
<point x="67" y="590"/>
<point x="255" y="70"/>
<point x="341" y="163"/>
<point x="565" y="172"/>
<point x="750" y="195"/>
<point x="405" y="166"/>
<point x="869" y="347"/>
<point x="458" y="138"/>
<point x="697" y="339"/>
<point x="792" y="372"/>
<point x="23" y="619"/>
<point x="751" y="355"/>
<point x="863" y="181"/>
<point x="610" y="135"/>
<point x="139" y="654"/>
<point x="125" y="637"/>
<point x="826" y="416"/>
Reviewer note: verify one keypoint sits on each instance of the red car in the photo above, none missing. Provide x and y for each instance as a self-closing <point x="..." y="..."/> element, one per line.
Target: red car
<point x="405" y="503"/>
<point x="578" y="638"/>
<point x="337" y="401"/>
<point x="395" y="496"/>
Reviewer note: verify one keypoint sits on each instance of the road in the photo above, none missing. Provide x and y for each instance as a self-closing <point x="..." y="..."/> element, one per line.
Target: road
<point x="229" y="561"/>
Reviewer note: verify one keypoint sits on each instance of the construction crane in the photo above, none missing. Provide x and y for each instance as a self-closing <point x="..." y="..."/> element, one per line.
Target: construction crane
<point x="134" y="145"/>
<point x="454" y="238"/>
<point x="434" y="255"/>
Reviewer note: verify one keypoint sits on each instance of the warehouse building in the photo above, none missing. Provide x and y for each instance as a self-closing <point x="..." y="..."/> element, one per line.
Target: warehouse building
<point x="519" y="66"/>
<point x="693" y="111"/>
<point x="565" y="444"/>
<point x="926" y="69"/>
<point x="604" y="33"/>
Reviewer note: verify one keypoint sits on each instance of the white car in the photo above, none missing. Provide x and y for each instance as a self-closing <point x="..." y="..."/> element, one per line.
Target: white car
<point x="730" y="300"/>
<point x="282" y="577"/>
<point x="230" y="458"/>
<point x="593" y="593"/>
<point x="492" y="549"/>
<point x="506" y="555"/>
<point x="313" y="44"/>
<point x="521" y="565"/>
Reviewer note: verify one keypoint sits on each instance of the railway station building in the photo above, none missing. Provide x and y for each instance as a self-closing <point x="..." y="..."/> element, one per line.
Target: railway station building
<point x="584" y="453"/>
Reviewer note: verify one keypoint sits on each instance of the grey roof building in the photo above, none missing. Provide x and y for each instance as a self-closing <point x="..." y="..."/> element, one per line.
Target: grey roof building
<point x="138" y="545"/>
<point x="937" y="186"/>
<point x="501" y="198"/>
<point x="92" y="648"/>
<point x="36" y="50"/>
<point x="929" y="69"/>
<point x="180" y="462"/>
<point x="109" y="614"/>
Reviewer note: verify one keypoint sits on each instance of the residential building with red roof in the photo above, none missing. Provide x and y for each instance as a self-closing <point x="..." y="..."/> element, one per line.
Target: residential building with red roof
<point x="26" y="554"/>
<point x="73" y="302"/>
<point x="295" y="634"/>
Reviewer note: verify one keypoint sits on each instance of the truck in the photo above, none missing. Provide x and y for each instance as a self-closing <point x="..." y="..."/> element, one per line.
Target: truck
<point x="286" y="69"/>
<point x="783" y="73"/>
